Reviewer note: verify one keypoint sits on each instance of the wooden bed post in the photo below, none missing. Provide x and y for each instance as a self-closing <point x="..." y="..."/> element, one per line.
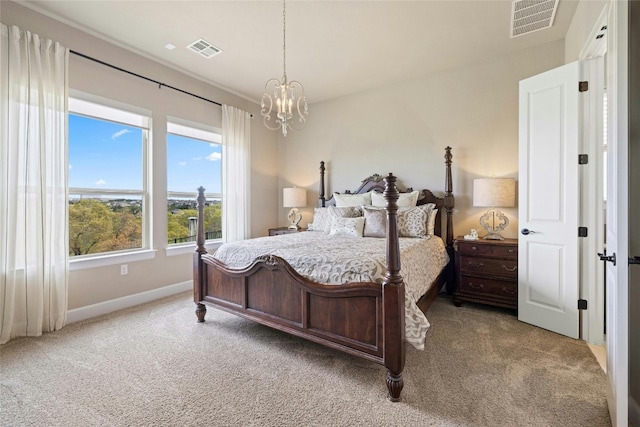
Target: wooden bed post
<point x="321" y="198"/>
<point x="198" y="267"/>
<point x="393" y="298"/>
<point x="449" y="203"/>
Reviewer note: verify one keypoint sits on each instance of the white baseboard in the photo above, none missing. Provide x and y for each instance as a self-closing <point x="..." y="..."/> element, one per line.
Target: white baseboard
<point x="634" y="412"/>
<point x="105" y="307"/>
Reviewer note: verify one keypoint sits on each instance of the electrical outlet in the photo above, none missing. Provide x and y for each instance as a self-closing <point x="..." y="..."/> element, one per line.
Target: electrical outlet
<point x="124" y="269"/>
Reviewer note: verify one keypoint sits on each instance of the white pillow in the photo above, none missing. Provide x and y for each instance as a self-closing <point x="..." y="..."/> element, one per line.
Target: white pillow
<point x="347" y="226"/>
<point x="343" y="200"/>
<point x="431" y="222"/>
<point x="405" y="199"/>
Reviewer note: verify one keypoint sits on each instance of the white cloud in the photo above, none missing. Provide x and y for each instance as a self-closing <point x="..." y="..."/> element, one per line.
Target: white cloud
<point x="70" y="167"/>
<point x="101" y="182"/>
<point x="120" y="133"/>
<point x="182" y="163"/>
<point x="214" y="157"/>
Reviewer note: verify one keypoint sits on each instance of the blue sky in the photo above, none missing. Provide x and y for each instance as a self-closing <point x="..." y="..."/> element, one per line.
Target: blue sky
<point x="104" y="154"/>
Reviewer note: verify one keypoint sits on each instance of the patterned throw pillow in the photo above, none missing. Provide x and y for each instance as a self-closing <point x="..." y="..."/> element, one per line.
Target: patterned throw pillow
<point x="405" y="199"/>
<point x="322" y="217"/>
<point x="347" y="226"/>
<point x="413" y="221"/>
<point x="375" y="221"/>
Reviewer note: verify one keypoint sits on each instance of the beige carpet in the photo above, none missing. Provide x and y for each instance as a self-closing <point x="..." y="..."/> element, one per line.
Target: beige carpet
<point x="153" y="365"/>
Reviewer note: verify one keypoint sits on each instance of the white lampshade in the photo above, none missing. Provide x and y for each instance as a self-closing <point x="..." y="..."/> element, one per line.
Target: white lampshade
<point x="294" y="197"/>
<point x="494" y="192"/>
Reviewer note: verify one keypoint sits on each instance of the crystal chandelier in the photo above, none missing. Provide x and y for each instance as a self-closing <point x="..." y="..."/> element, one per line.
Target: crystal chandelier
<point x="283" y="102"/>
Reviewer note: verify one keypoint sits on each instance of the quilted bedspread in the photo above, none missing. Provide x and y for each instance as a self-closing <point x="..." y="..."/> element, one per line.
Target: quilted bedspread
<point x="344" y="259"/>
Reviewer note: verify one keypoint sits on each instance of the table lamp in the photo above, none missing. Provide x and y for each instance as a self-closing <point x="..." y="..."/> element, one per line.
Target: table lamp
<point x="494" y="193"/>
<point x="294" y="198"/>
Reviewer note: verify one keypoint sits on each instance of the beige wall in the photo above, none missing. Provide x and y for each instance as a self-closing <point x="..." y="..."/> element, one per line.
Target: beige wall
<point x="91" y="286"/>
<point x="404" y="127"/>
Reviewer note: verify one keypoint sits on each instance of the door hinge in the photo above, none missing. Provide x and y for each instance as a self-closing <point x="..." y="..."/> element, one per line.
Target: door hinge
<point x="582" y="231"/>
<point x="582" y="304"/>
<point x="583" y="86"/>
<point x="583" y="159"/>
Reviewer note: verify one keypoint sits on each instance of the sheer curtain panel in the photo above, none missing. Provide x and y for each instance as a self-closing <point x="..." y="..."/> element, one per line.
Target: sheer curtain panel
<point x="236" y="169"/>
<point x="34" y="249"/>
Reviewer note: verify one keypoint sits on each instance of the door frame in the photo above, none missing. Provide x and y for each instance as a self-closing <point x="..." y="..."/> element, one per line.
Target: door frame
<point x="592" y="207"/>
<point x="618" y="130"/>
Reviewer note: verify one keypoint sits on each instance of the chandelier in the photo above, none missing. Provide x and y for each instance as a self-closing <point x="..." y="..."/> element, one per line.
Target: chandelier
<point x="283" y="102"/>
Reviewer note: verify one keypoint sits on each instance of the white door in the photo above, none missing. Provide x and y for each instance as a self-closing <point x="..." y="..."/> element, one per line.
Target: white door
<point x="617" y="276"/>
<point x="548" y="268"/>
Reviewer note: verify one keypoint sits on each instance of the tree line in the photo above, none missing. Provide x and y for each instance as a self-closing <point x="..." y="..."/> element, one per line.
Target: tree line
<point x="94" y="227"/>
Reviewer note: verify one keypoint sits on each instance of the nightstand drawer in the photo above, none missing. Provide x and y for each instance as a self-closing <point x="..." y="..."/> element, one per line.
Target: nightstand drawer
<point x="505" y="251"/>
<point x="490" y="266"/>
<point x="482" y="248"/>
<point x="479" y="286"/>
<point x="472" y="248"/>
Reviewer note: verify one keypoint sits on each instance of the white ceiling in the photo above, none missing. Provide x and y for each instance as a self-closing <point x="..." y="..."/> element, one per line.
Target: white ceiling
<point x="333" y="47"/>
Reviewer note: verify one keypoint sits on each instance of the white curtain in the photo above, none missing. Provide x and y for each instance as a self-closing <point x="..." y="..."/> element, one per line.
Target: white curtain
<point x="236" y="173"/>
<point x="34" y="250"/>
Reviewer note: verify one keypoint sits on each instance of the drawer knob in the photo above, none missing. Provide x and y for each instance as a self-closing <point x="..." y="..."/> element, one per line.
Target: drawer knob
<point x="511" y="251"/>
<point x="475" y="286"/>
<point x="515" y="267"/>
<point x="507" y="291"/>
<point x="473" y="248"/>
<point x="475" y="264"/>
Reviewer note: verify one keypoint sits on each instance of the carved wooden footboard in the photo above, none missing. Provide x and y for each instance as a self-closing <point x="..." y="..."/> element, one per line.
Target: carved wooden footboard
<point x="362" y="319"/>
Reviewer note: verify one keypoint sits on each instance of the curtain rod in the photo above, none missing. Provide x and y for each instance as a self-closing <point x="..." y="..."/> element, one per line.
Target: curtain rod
<point x="160" y="84"/>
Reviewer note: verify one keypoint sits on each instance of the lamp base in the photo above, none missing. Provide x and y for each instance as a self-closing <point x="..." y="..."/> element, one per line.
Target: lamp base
<point x="493" y="236"/>
<point x="294" y="218"/>
<point x="494" y="221"/>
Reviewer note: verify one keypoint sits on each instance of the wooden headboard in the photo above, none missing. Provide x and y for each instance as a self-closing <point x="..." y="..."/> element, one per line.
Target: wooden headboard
<point x="375" y="183"/>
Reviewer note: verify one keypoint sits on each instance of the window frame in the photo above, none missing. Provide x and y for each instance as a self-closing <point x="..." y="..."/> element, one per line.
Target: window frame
<point x="86" y="105"/>
<point x="206" y="134"/>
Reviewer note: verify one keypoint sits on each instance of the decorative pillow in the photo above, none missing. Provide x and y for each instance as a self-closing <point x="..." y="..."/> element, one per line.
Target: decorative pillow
<point x="413" y="221"/>
<point x="343" y="200"/>
<point x="431" y="222"/>
<point x="322" y="217"/>
<point x="375" y="221"/>
<point x="347" y="226"/>
<point x="405" y="199"/>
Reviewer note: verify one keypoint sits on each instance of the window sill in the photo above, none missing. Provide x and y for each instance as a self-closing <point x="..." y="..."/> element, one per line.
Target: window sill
<point x="189" y="248"/>
<point x="110" y="259"/>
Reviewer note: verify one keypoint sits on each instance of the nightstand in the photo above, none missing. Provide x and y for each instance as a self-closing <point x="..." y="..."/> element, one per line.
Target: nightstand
<point x="487" y="272"/>
<point x="284" y="230"/>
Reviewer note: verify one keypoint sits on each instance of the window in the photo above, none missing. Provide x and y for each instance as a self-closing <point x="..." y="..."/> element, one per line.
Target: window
<point x="194" y="159"/>
<point x="108" y="195"/>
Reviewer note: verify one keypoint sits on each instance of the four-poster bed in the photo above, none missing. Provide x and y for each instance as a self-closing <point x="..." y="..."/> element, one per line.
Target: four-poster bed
<point x="364" y="318"/>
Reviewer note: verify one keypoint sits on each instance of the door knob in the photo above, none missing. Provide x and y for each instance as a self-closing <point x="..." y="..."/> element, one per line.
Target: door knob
<point x="634" y="260"/>
<point x="610" y="258"/>
<point x="526" y="231"/>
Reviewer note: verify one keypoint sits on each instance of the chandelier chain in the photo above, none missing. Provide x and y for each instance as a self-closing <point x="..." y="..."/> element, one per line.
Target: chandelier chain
<point x="284" y="37"/>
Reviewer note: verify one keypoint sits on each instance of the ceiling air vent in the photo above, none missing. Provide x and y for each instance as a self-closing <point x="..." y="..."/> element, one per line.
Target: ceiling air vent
<point x="528" y="16"/>
<point x="204" y="48"/>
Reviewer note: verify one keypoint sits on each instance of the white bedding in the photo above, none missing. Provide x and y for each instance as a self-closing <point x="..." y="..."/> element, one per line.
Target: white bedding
<point x="343" y="259"/>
